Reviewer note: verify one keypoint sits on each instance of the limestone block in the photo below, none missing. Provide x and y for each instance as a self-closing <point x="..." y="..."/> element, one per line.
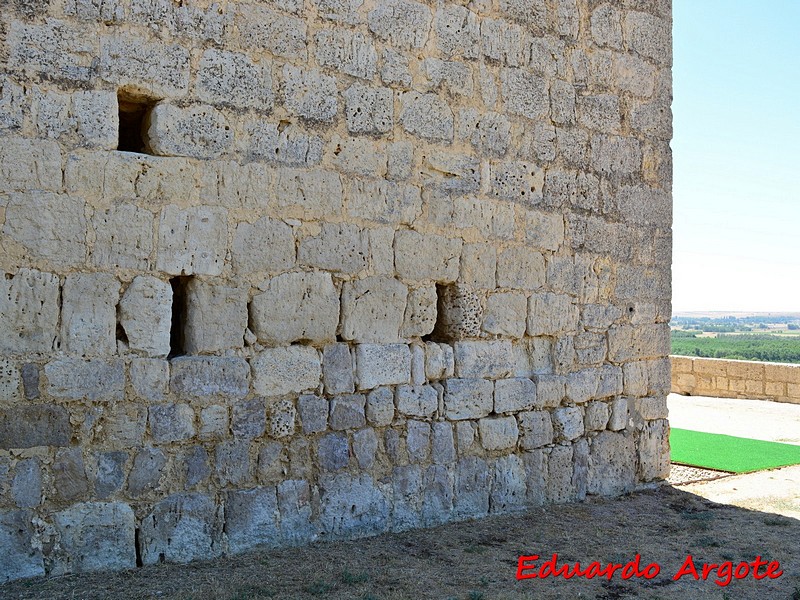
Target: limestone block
<point x="94" y="536"/>
<point x="313" y="413"/>
<point x="514" y="395"/>
<point x="468" y="398"/>
<point x="69" y="475"/>
<point x="478" y="266"/>
<point x="26" y="488"/>
<point x="439" y="361"/>
<point x="659" y="377"/>
<point x="394" y="68"/>
<point x="457" y="31"/>
<point x="418" y="441"/>
<point x="654" y="451"/>
<point x="582" y="385"/>
<point x="11" y="104"/>
<point x="266" y="246"/>
<point x="358" y="156"/>
<point x="568" y="423"/>
<point x="406" y="483"/>
<point x="123" y="237"/>
<point x="498" y="433"/>
<point x="417" y="400"/>
<point x="651" y="408"/>
<point x="506" y="314"/>
<point x="309" y="94"/>
<point x="251" y="519"/>
<point x="271" y="462"/>
<point x="600" y="112"/>
<point x="215" y="317"/>
<point x="380" y="407"/>
<point x="649" y="36"/>
<point x="489" y="360"/>
<point x="181" y="528"/>
<point x="171" y="422"/>
<point x="9" y="380"/>
<point x="347" y="412"/>
<point x="473" y="482"/>
<point x="110" y="474"/>
<point x="551" y="314"/>
<point x="509" y="485"/>
<point x="373" y="309"/>
<point x="626" y="342"/>
<point x="123" y="424"/>
<point x="504" y="42"/>
<point x="29" y="164"/>
<point x="294" y="307"/>
<point x="29" y="305"/>
<point x="606" y="26"/>
<point x="347" y="52"/>
<point x="535" y="429"/>
<point x="340" y="11"/>
<point x="368" y="110"/>
<point x="33" y="425"/>
<point x="233" y="79"/>
<point x="50" y="227"/>
<point x="420" y="313"/>
<point x="524" y="94"/>
<point x="88" y="317"/>
<point x="517" y="181"/>
<point x="352" y="506"/>
<point x="455" y="77"/>
<point x="426" y="256"/>
<point x="262" y="27"/>
<point x="451" y="173"/>
<point x="635" y="378"/>
<point x="192" y="241"/>
<point x="383" y="201"/>
<point x="613" y="155"/>
<point x="491" y="135"/>
<point x="93" y="379"/>
<point x="162" y="70"/>
<point x="382" y="364"/>
<point x="19" y="546"/>
<point x="443" y="450"/>
<point x="612" y="464"/>
<point x="597" y="416"/>
<point x="232" y="462"/>
<point x="209" y="376"/>
<point x="288" y="145"/>
<point x="399" y="157"/>
<point x="294" y="506"/>
<point x="333" y="452"/>
<point x="279" y="371"/>
<point x="146" y="472"/>
<point x="337" y="247"/>
<point x="149" y="377"/>
<point x="145" y="314"/>
<point x="282" y="419"/>
<point x="403" y="23"/>
<point x="427" y="116"/>
<point x="337" y="369"/>
<point x="248" y="418"/>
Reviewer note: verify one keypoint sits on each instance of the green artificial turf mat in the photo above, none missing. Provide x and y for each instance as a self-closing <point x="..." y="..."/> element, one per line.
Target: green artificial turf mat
<point x="728" y="453"/>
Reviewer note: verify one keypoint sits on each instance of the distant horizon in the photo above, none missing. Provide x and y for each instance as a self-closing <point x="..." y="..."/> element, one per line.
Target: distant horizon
<point x="736" y="313"/>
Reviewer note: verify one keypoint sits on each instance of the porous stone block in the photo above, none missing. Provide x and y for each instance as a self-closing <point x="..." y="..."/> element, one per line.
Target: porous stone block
<point x="149" y="377"/>
<point x="313" y="413"/>
<point x="395" y="68"/>
<point x="181" y="528"/>
<point x="368" y="110"/>
<point x="233" y="79"/>
<point x="146" y="472"/>
<point x="535" y="429"/>
<point x="520" y="268"/>
<point x="295" y="307"/>
<point x="426" y="256"/>
<point x="94" y="536"/>
<point x="266" y="246"/>
<point x="454" y="76"/>
<point x="498" y="433"/>
<point x="383" y="201"/>
<point x="215" y="317"/>
<point x="337" y="369"/>
<point x="29" y="310"/>
<point x="457" y="31"/>
<point x="420" y="314"/>
<point x="380" y="407"/>
<point x="597" y="415"/>
<point x="568" y="423"/>
<point x="110" y="475"/>
<point x="509" y="485"/>
<point x="333" y="452"/>
<point x="262" y="27"/>
<point x="654" y="451"/>
<point x="279" y="371"/>
<point x="161" y="69"/>
<point x="418" y="441"/>
<point x="551" y="314"/>
<point x="427" y="116"/>
<point x="382" y="364"/>
<point x="468" y="398"/>
<point x="373" y="309"/>
<point x="612" y="464"/>
<point x="460" y="313"/>
<point x="309" y="94"/>
<point x="618" y="418"/>
<point x="524" y="93"/>
<point x="291" y="145"/>
<point x="88" y="316"/>
<point x="93" y="379"/>
<point x="171" y="422"/>
<point x="417" y="400"/>
<point x="248" y="418"/>
<point x="489" y="360"/>
<point x="192" y="240"/>
<point x="403" y="23"/>
<point x="123" y="424"/>
<point x="19" y="546"/>
<point x="29" y="164"/>
<point x="439" y="361"/>
<point x="347" y="412"/>
<point x="443" y="451"/>
<point x="197" y="132"/>
<point x="473" y="484"/>
<point x="145" y="314"/>
<point x="251" y="519"/>
<point x="338" y="247"/>
<point x="506" y="314"/>
<point x="515" y="394"/>
<point x="207" y="377"/>
<point x="347" y="52"/>
<point x="123" y="237"/>
<point x="582" y="385"/>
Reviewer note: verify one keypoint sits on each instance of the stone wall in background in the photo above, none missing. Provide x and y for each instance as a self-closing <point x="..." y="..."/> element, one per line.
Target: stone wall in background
<point x="693" y="376"/>
<point x="281" y="271"/>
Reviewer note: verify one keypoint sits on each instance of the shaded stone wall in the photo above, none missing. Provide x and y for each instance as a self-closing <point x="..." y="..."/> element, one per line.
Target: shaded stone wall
<point x="288" y="270"/>
<point x="693" y="376"/>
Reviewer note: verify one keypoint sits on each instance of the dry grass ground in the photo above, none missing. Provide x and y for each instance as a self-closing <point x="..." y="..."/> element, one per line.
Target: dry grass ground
<point x="478" y="560"/>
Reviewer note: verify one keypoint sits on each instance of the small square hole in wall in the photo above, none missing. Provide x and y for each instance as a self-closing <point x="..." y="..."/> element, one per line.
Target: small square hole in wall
<point x="134" y="112"/>
<point x="177" y="332"/>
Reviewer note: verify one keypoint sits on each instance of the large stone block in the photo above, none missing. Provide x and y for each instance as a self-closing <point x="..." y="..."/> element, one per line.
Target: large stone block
<point x="181" y="528"/>
<point x="498" y="433"/>
<point x="654" y="451"/>
<point x="279" y="371"/>
<point x="262" y="27"/>
<point x="373" y="310"/>
<point x="145" y="314"/>
<point x="296" y="307"/>
<point x="197" y="131"/>
<point x="29" y="164"/>
<point x="525" y="94"/>
<point x="89" y="316"/>
<point x="337" y="247"/>
<point x="506" y="314"/>
<point x="29" y="306"/>
<point x="352" y="506"/>
<point x="251" y="519"/>
<point x="368" y="110"/>
<point x="20" y="546"/>
<point x="94" y="536"/>
<point x="426" y="256"/>
<point x="568" y="423"/>
<point x="162" y="70"/>
<point x="417" y="401"/>
<point x="612" y="464"/>
<point x="86" y="379"/>
<point x="535" y="429"/>
<point x="427" y="116"/>
<point x="514" y="395"/>
<point x="403" y="23"/>
<point x="473" y="484"/>
<point x="123" y="237"/>
<point x="489" y="360"/>
<point x="509" y="485"/>
<point x="420" y="315"/>
<point x="347" y="412"/>
<point x="380" y="407"/>
<point x="347" y="52"/>
<point x="233" y="79"/>
<point x="468" y="398"/>
<point x="192" y="240"/>
<point x="266" y="246"/>
<point x="33" y="425"/>
<point x="215" y="318"/>
<point x="309" y="94"/>
<point x="171" y="422"/>
<point x="382" y="364"/>
<point x="551" y="314"/>
<point x="207" y="377"/>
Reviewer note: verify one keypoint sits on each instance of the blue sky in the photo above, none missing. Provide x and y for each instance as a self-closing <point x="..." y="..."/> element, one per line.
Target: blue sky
<point x="736" y="152"/>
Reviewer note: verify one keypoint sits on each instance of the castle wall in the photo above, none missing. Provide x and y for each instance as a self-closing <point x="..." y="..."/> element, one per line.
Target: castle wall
<point x="282" y="271"/>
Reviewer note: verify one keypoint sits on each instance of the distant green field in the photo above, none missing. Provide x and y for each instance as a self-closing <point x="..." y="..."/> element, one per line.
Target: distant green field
<point x="761" y="347"/>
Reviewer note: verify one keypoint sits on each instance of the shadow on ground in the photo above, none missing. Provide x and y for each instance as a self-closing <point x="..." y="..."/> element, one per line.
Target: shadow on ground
<point x="478" y="559"/>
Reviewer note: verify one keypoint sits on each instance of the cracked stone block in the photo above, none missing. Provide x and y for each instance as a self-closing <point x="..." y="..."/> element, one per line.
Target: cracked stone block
<point x="215" y="318"/>
<point x="418" y="441"/>
<point x="232" y="462"/>
<point x="279" y="371"/>
<point x="69" y="475"/>
<point x="417" y="401"/>
<point x="365" y="445"/>
<point x="145" y="314"/>
<point x="197" y="132"/>
<point x="89" y="315"/>
<point x="266" y="246"/>
<point x="439" y="361"/>
<point x="373" y="309"/>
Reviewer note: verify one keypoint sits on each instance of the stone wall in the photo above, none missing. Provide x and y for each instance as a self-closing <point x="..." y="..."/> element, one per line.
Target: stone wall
<point x="279" y="271"/>
<point x="693" y="376"/>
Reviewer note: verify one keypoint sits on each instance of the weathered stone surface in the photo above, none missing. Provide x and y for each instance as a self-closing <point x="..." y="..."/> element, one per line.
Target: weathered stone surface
<point x="506" y="314"/>
<point x="514" y="395"/>
<point x="313" y="413"/>
<point x="380" y="406"/>
<point x="294" y="506"/>
<point x="110" y="473"/>
<point x="94" y="536"/>
<point x="498" y="433"/>
<point x="333" y="451"/>
<point x="262" y="27"/>
<point x="417" y="401"/>
<point x="233" y="79"/>
<point x="22" y="555"/>
<point x="92" y="379"/>
<point x="365" y="445"/>
<point x="29" y="307"/>
<point x="206" y="377"/>
<point x="373" y="309"/>
<point x="418" y="441"/>
<point x="535" y="429"/>
<point x="368" y="110"/>
<point x="347" y="52"/>
<point x="460" y="313"/>
<point x="309" y="94"/>
<point x="26" y="488"/>
<point x="551" y="314"/>
<point x="181" y="528"/>
<point x="468" y="398"/>
<point x="352" y="506"/>
<point x="266" y="246"/>
<point x="612" y="463"/>
<point x="439" y="361"/>
<point x="509" y="485"/>
<point x="232" y="462"/>
<point x="9" y="380"/>
<point x="404" y="23"/>
<point x="347" y="412"/>
<point x="489" y="360"/>
<point x="568" y="423"/>
<point x="420" y="314"/>
<point x="171" y="422"/>
<point x="88" y="317"/>
<point x="197" y="132"/>
<point x="149" y="378"/>
<point x="147" y="471"/>
<point x="596" y="417"/>
<point x="382" y="364"/>
<point x="654" y="451"/>
<point x="427" y="116"/>
<point x="69" y="475"/>
<point x="215" y="317"/>
<point x="145" y="314"/>
<point x="473" y="483"/>
<point x="251" y="519"/>
<point x="192" y="240"/>
<point x="337" y="369"/>
<point x="296" y="307"/>
<point x="278" y="371"/>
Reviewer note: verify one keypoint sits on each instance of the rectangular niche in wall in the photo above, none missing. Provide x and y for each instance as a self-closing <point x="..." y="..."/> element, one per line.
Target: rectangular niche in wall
<point x="133" y="116"/>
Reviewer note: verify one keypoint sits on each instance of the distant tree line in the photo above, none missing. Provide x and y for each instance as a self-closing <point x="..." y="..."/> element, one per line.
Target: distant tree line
<point x="760" y="347"/>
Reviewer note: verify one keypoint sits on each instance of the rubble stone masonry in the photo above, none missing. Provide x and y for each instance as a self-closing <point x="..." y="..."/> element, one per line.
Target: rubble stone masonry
<point x="278" y="271"/>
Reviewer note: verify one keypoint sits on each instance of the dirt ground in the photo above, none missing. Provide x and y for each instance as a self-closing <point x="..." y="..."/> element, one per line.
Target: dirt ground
<point x="478" y="559"/>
